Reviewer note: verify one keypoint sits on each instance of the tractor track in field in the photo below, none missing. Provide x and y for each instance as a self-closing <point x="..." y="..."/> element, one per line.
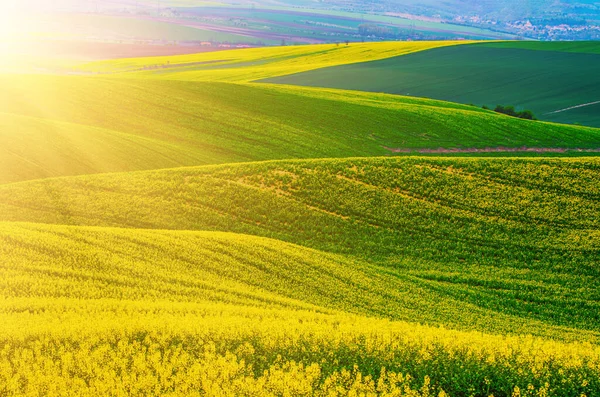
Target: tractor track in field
<point x="573" y="107"/>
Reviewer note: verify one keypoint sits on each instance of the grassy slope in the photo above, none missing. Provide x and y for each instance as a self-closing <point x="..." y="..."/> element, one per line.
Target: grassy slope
<point x="517" y="237"/>
<point x="490" y="74"/>
<point x="187" y="267"/>
<point x="42" y="263"/>
<point x="34" y="148"/>
<point x="71" y="125"/>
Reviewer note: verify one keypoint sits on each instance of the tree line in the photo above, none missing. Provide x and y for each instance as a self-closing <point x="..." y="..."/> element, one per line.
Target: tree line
<point x="510" y="111"/>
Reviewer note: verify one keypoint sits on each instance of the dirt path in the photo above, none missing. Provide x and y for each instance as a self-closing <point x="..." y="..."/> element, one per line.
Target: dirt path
<point x="499" y="149"/>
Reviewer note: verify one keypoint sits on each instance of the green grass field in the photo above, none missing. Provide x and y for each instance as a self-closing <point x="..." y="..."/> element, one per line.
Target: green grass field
<point x="542" y="77"/>
<point x="185" y="231"/>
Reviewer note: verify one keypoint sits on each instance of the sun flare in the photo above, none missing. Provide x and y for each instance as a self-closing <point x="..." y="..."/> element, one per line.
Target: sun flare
<point x="13" y="27"/>
<point x="12" y="20"/>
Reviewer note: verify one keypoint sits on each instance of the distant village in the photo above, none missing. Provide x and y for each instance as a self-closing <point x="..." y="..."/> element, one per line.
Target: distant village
<point x="546" y="29"/>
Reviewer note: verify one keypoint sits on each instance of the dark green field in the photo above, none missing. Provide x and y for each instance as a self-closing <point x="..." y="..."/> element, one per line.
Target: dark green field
<point x="582" y="47"/>
<point x="542" y="77"/>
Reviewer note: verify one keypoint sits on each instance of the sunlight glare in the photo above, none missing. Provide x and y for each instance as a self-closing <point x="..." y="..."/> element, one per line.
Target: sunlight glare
<point x="12" y="20"/>
<point x="12" y="26"/>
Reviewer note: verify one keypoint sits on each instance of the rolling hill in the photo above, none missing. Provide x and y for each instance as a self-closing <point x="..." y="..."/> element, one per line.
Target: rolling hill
<point x="460" y="223"/>
<point x="183" y="230"/>
<point x="489" y="247"/>
<point x="70" y="125"/>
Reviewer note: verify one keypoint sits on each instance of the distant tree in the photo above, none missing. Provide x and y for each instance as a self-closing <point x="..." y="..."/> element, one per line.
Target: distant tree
<point x="510" y="111"/>
<point x="526" y="114"/>
<point x="368" y="29"/>
<point x="347" y="42"/>
<point x="282" y="42"/>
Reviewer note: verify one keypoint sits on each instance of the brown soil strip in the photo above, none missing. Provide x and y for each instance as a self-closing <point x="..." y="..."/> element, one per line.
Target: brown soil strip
<point x="498" y="149"/>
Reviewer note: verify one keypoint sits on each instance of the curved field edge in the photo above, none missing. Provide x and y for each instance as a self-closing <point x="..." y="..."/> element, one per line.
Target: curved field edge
<point x="65" y="125"/>
<point x="95" y="310"/>
<point x="517" y="237"/>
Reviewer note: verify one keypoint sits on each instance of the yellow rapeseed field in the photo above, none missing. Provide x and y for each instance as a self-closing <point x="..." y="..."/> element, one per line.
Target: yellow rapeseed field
<point x="194" y="325"/>
<point x="258" y="63"/>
